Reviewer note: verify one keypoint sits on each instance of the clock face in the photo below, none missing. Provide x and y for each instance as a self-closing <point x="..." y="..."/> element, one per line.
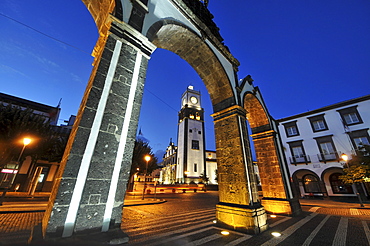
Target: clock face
<point x="183" y="102"/>
<point x="193" y="100"/>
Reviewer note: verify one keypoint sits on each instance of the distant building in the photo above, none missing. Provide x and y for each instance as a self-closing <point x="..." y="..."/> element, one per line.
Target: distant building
<point x="315" y="140"/>
<point x="189" y="161"/>
<point x="33" y="175"/>
<point x="49" y="112"/>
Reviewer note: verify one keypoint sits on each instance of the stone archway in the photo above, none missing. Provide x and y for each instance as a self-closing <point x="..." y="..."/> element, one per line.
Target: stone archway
<point x="278" y="195"/>
<point x="88" y="193"/>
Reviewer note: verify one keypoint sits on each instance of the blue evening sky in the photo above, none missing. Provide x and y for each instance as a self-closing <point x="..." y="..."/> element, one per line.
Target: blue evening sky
<point x="302" y="54"/>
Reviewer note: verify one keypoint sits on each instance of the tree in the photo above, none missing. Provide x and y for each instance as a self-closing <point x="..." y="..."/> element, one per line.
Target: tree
<point x="354" y="174"/>
<point x="358" y="168"/>
<point x="203" y="178"/>
<point x="17" y="123"/>
<point x="141" y="149"/>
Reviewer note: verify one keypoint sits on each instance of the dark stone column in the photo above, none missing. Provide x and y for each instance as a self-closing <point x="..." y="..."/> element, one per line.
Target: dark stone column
<point x="89" y="191"/>
<point x="239" y="207"/>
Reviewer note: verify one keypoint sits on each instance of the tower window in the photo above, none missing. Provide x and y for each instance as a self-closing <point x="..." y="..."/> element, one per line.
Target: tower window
<point x="190" y="130"/>
<point x="195" y="144"/>
<point x="195" y="167"/>
<point x="199" y="132"/>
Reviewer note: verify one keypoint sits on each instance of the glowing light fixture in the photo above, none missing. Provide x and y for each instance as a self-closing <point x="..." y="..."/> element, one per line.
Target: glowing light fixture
<point x="276" y="234"/>
<point x="225" y="233"/>
<point x="214" y="222"/>
<point x="147" y="158"/>
<point x="26" y="141"/>
<point x="273" y="216"/>
<point x="344" y="157"/>
<point x="9" y="171"/>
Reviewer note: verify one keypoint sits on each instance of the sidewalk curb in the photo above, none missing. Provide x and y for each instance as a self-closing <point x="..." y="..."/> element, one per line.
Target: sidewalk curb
<point x="21" y="211"/>
<point x="145" y="203"/>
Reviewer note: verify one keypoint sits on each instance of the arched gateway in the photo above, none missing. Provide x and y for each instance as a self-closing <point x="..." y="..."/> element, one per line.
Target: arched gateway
<point x="88" y="195"/>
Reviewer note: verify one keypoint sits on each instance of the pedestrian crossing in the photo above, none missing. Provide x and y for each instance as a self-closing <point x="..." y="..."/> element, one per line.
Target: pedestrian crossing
<point x="317" y="227"/>
<point x="197" y="228"/>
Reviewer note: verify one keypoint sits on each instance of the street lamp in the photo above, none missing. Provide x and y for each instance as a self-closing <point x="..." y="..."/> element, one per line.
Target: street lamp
<point x="147" y="159"/>
<point x="26" y="141"/>
<point x="345" y="158"/>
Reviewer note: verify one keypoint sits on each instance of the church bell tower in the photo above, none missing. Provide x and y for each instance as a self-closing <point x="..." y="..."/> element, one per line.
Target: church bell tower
<point x="191" y="138"/>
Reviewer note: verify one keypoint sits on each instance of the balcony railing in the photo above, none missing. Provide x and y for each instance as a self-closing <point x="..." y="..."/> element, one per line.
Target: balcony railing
<point x="302" y="159"/>
<point x="325" y="157"/>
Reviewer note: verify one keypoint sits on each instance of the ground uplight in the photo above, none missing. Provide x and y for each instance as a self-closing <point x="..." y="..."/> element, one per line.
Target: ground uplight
<point x="276" y="234"/>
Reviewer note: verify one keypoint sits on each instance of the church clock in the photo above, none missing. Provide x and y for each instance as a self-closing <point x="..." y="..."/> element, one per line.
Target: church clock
<point x="193" y="100"/>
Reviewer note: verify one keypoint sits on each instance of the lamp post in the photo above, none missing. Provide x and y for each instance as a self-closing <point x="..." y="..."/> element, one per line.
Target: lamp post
<point x="26" y="141"/>
<point x="345" y="158"/>
<point x="147" y="159"/>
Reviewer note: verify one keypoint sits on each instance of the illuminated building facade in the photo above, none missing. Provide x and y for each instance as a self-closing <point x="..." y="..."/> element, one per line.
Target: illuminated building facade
<point x="315" y="140"/>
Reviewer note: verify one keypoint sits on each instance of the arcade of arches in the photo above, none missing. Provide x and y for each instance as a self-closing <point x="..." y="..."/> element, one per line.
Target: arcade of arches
<point x="86" y="197"/>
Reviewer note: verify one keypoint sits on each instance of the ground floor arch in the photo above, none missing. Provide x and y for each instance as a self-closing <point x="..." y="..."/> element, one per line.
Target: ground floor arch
<point x="308" y="183"/>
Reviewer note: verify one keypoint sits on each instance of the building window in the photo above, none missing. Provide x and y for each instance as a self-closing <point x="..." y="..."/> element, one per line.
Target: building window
<point x="337" y="186"/>
<point x="327" y="149"/>
<point x="195" y="167"/>
<point x="199" y="132"/>
<point x="318" y="123"/>
<point x="359" y="139"/>
<point x="291" y="129"/>
<point x="311" y="184"/>
<point x="298" y="154"/>
<point x="350" y="116"/>
<point x="195" y="144"/>
<point x="190" y="130"/>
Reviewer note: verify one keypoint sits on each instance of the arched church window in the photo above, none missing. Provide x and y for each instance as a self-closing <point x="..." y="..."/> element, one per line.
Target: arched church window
<point x="311" y="184"/>
<point x="338" y="186"/>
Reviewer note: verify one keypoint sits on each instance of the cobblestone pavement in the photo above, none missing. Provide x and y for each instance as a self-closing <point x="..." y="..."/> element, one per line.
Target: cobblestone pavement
<point x="340" y="226"/>
<point x="17" y="227"/>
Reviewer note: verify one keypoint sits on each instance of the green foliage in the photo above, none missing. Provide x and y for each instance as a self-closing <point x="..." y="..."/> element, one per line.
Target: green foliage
<point x="17" y="123"/>
<point x="204" y="178"/>
<point x="354" y="174"/>
<point x="358" y="168"/>
<point x="141" y="149"/>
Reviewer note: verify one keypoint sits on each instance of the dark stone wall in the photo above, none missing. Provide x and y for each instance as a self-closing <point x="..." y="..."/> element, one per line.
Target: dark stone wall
<point x="95" y="192"/>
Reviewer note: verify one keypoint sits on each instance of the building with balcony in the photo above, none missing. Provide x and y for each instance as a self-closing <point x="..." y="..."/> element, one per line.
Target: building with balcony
<point x="315" y="140"/>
